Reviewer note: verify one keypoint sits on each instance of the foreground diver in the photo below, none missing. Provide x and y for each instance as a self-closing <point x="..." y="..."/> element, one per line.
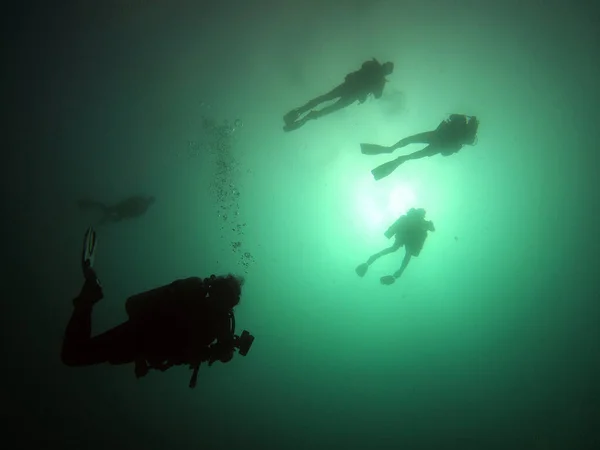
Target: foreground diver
<point x="186" y="322"/>
<point x="447" y="139"/>
<point x="129" y="208"/>
<point x="369" y="79"/>
<point x="409" y="231"/>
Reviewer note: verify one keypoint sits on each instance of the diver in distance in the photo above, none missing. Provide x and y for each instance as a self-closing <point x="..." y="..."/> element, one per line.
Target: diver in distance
<point x="357" y="86"/>
<point x="410" y="232"/>
<point x="130" y="208"/>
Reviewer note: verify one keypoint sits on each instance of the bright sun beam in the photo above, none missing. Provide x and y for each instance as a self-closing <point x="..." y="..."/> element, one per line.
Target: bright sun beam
<point x="401" y="199"/>
<point x="377" y="206"/>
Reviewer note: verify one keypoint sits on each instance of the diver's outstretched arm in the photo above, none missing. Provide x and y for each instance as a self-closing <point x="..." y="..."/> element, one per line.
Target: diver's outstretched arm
<point x="405" y="262"/>
<point x="422" y="138"/>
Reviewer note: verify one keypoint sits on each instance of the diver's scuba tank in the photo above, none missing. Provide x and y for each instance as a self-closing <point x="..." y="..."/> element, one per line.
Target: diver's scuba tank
<point x="190" y="300"/>
<point x="395" y="227"/>
<point x="180" y="295"/>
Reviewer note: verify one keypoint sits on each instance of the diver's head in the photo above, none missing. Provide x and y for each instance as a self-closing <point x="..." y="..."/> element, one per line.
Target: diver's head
<point x="226" y="289"/>
<point x="417" y="213"/>
<point x="388" y="68"/>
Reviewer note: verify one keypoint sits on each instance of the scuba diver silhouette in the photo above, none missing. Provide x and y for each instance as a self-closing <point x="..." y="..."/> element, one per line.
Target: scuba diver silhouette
<point x="188" y="321"/>
<point x="357" y="86"/>
<point x="130" y="208"/>
<point x="409" y="231"/>
<point x="448" y="138"/>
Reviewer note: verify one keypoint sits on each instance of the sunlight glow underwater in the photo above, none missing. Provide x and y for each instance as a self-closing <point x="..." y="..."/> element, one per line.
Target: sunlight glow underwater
<point x="378" y="207"/>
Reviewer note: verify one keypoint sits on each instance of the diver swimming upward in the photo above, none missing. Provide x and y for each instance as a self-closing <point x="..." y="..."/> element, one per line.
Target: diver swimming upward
<point x="357" y="86"/>
<point x="409" y="231"/>
<point x="448" y="138"/>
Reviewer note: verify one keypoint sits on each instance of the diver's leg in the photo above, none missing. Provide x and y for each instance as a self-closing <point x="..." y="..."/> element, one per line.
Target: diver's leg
<point x="80" y="349"/>
<point x="293" y="122"/>
<point x="78" y="332"/>
<point x="398" y="273"/>
<point x="429" y="137"/>
<point x="361" y="270"/>
<point x="388" y="168"/>
<point x="385" y="251"/>
<point x="340" y="104"/>
<point x="119" y="345"/>
<point x="337" y="92"/>
<point x="430" y="150"/>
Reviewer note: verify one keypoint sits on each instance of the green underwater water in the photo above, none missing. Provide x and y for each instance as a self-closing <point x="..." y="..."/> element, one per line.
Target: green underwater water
<point x="488" y="341"/>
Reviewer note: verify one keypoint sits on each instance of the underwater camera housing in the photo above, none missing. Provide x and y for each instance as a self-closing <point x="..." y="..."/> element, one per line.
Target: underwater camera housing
<point x="243" y="342"/>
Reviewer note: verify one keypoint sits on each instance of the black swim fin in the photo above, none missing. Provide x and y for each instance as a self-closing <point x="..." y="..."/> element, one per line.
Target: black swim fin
<point x="294" y="125"/>
<point x="88" y="252"/>
<point x="387" y="280"/>
<point x="291" y="117"/>
<point x="362" y="269"/>
<point x="387" y="168"/>
<point x="372" y="149"/>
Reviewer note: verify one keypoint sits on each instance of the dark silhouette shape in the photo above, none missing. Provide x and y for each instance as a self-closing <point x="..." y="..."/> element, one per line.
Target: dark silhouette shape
<point x="129" y="208"/>
<point x="409" y="231"/>
<point x="186" y="322"/>
<point x="369" y="79"/>
<point x="448" y="138"/>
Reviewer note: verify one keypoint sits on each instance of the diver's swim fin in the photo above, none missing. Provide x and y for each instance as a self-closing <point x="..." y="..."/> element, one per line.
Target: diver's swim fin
<point x="362" y="269"/>
<point x="294" y="125"/>
<point x="373" y="149"/>
<point x="387" y="280"/>
<point x="88" y="253"/>
<point x="387" y="168"/>
<point x="291" y="117"/>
